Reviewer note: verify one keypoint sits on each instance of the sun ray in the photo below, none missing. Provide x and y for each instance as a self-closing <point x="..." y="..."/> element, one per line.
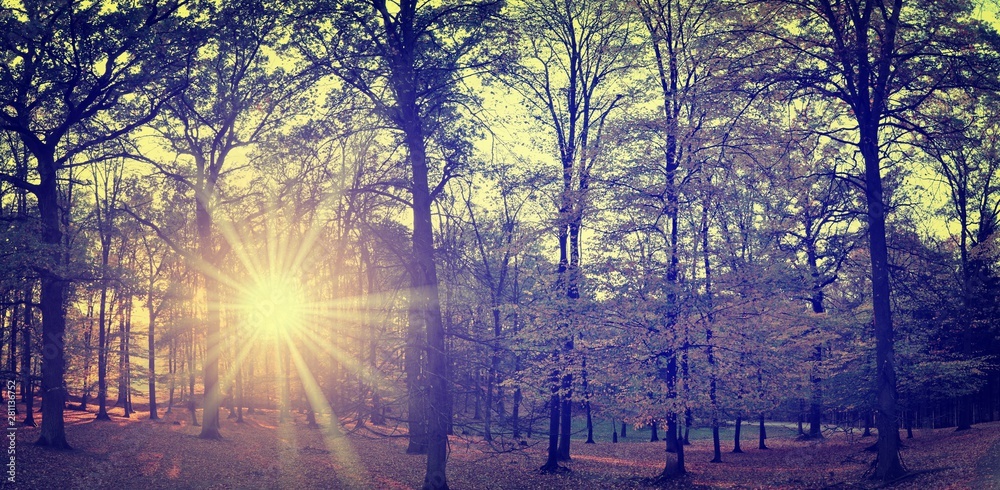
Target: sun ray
<point x="334" y="437"/>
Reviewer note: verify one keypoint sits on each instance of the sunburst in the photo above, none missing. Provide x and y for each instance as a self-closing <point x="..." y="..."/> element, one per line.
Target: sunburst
<point x="274" y="305"/>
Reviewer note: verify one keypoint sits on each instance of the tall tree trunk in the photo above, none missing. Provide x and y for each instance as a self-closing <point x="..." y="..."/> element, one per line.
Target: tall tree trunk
<point x="816" y="403"/>
<point x="123" y="364"/>
<point x="416" y="413"/>
<point x="425" y="287"/>
<point x="566" y="418"/>
<point x="889" y="465"/>
<point x="53" y="297"/>
<point x="674" y="466"/>
<point x="762" y="434"/>
<point x="102" y="341"/>
<point x="27" y="392"/>
<point x="802" y="410"/>
<point x="12" y="343"/>
<point x="171" y="371"/>
<point x="210" y="362"/>
<point x="152" y="357"/>
<point x="240" y="401"/>
<point x="552" y="461"/>
<point x="494" y="368"/>
<point x="586" y="404"/>
<point x="88" y="335"/>
<point x="192" y="407"/>
<point x="515" y="413"/>
<point x="736" y="435"/>
<point x="710" y="318"/>
<point x="285" y="376"/>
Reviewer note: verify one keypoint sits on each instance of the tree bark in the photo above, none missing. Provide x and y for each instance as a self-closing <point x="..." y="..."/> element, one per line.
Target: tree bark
<point x="762" y="434"/>
<point x="552" y="461"/>
<point x="425" y="286"/>
<point x="102" y="340"/>
<point x="152" y="358"/>
<point x="889" y="465"/>
<point x="53" y="297"/>
<point x="210" y="363"/>
<point x="27" y="391"/>
<point x="736" y="435"/>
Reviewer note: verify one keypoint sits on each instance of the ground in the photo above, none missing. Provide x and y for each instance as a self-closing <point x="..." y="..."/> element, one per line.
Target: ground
<point x="139" y="453"/>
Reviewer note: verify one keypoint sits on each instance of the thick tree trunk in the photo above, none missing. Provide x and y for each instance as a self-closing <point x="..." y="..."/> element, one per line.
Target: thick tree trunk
<point x="53" y="297"/>
<point x="674" y="465"/>
<point x="377" y="417"/>
<point x="566" y="419"/>
<point x="425" y="285"/>
<point x="762" y="434"/>
<point x="210" y="363"/>
<point x="552" y="461"/>
<point x="889" y="465"/>
<point x="736" y="435"/>
<point x="416" y="416"/>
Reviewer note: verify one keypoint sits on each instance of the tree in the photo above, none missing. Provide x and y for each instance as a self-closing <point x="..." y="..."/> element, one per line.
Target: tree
<point x="881" y="60"/>
<point x="575" y="53"/>
<point x="960" y="135"/>
<point x="157" y="263"/>
<point x="419" y="52"/>
<point x="107" y="195"/>
<point x="76" y="76"/>
<point x="234" y="97"/>
<point x="817" y="227"/>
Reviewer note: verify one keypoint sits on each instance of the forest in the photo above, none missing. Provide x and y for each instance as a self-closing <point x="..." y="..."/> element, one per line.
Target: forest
<point x="504" y="235"/>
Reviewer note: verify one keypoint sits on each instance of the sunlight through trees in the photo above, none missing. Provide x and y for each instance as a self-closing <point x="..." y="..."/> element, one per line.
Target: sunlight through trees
<point x="503" y="224"/>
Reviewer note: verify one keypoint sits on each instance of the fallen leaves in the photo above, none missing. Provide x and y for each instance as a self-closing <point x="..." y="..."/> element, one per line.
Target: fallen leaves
<point x="261" y="453"/>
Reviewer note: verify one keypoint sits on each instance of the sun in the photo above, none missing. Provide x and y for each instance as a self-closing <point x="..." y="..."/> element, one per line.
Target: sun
<point x="275" y="306"/>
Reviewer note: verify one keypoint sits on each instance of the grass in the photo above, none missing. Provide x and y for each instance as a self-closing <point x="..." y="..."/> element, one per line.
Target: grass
<point x="748" y="434"/>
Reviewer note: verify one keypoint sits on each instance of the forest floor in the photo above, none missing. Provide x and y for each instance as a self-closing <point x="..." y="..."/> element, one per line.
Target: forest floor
<point x="261" y="453"/>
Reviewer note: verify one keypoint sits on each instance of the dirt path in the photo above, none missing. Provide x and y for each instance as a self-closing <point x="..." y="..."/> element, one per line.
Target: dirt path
<point x="988" y="469"/>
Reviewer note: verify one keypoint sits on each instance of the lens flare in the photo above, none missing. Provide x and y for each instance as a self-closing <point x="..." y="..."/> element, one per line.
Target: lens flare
<point x="275" y="306"/>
